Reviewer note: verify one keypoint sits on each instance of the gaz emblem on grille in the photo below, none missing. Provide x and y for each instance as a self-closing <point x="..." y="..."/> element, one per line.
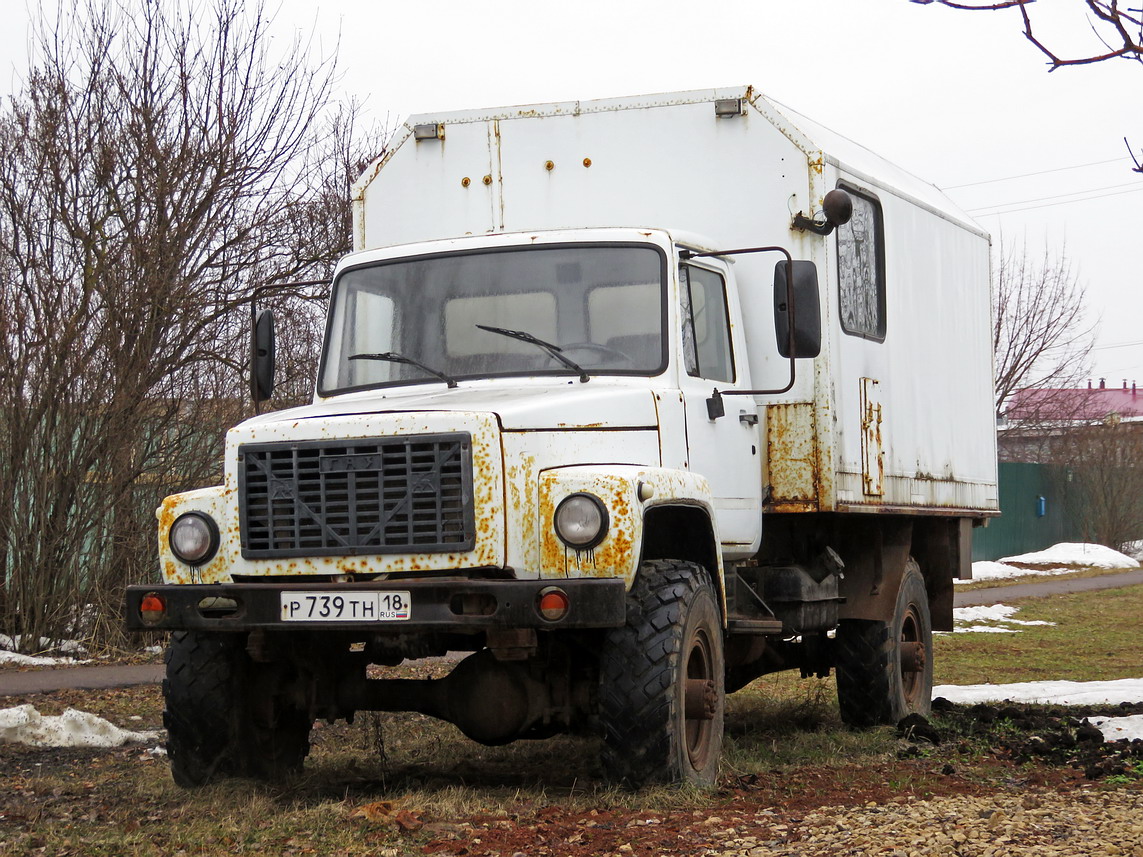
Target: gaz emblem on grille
<point x="348" y="463"/>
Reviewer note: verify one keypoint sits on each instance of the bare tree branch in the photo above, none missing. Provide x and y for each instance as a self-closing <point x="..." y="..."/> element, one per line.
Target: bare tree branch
<point x="1040" y="336"/>
<point x="1122" y="33"/>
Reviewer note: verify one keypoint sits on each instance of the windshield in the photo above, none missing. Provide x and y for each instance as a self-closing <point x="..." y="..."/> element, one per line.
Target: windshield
<point x="489" y="313"/>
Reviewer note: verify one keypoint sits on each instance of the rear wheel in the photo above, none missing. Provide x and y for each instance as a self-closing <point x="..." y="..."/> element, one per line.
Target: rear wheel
<point x="661" y="680"/>
<point x="885" y="669"/>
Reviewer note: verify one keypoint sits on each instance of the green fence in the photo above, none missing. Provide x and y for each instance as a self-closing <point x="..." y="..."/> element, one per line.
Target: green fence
<point x="1032" y="513"/>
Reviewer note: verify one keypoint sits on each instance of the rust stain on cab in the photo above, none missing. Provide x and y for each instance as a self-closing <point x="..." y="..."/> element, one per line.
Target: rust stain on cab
<point x="616" y="555"/>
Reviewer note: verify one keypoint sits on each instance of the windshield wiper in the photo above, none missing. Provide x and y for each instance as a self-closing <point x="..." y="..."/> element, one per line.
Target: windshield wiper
<point x="394" y="357"/>
<point x="554" y="350"/>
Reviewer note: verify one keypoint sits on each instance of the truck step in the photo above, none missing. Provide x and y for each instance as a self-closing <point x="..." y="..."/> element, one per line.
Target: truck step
<point x="754" y="627"/>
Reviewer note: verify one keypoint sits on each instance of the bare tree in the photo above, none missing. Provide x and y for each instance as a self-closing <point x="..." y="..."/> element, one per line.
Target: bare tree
<point x="1040" y="337"/>
<point x="159" y="163"/>
<point x="1101" y="479"/>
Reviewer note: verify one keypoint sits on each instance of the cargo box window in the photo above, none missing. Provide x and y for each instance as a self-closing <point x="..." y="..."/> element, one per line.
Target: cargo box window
<point x="861" y="269"/>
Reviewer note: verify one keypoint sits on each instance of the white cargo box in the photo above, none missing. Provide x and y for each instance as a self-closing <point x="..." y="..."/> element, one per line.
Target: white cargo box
<point x="895" y="413"/>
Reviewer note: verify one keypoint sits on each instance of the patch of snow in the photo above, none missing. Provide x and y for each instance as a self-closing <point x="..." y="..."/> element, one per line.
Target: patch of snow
<point x="1119" y="728"/>
<point x="995" y="613"/>
<point x="25" y="725"/>
<point x="19" y="660"/>
<point x="1075" y="554"/>
<point x="985" y="629"/>
<point x="64" y="647"/>
<point x="989" y="570"/>
<point x="999" y="613"/>
<point x="153" y="650"/>
<point x="1054" y="692"/>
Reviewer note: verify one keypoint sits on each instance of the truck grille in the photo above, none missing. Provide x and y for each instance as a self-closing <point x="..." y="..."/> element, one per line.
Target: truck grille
<point x="326" y="498"/>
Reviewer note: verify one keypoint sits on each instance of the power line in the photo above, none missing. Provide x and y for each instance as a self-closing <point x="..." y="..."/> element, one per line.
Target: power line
<point x="1047" y="204"/>
<point x="1057" y="196"/>
<point x="1038" y="173"/>
<point x="1117" y="345"/>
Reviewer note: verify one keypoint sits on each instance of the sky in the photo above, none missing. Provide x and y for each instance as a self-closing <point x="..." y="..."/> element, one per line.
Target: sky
<point x="960" y="99"/>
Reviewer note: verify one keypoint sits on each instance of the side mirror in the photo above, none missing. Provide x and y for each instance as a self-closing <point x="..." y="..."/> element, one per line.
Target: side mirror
<point x="799" y="300"/>
<point x="262" y="356"/>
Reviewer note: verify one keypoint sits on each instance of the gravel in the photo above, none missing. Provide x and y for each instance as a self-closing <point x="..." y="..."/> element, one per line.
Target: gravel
<point x="1044" y="824"/>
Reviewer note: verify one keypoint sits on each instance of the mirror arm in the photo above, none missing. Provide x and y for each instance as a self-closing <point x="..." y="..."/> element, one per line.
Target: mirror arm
<point x="714" y="405"/>
<point x="818" y="227"/>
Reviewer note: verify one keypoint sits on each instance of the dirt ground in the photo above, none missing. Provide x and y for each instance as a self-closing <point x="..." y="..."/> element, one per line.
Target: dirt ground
<point x="401" y="787"/>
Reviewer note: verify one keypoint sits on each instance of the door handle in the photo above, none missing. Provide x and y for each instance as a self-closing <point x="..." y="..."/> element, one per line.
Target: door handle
<point x="748" y="418"/>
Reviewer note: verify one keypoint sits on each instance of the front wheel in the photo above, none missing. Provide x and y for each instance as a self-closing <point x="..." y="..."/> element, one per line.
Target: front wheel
<point x="885" y="669"/>
<point x="661" y="680"/>
<point x="224" y="715"/>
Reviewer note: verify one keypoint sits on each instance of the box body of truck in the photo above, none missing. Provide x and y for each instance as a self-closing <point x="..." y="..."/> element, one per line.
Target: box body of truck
<point x="574" y="387"/>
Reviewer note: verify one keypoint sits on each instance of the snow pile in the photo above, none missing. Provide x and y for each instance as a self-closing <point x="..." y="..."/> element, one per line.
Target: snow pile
<point x="16" y="659"/>
<point x="1063" y="558"/>
<point x="1134" y="550"/>
<point x="999" y="614"/>
<point x="1053" y="692"/>
<point x="1061" y="693"/>
<point x="9" y="655"/>
<point x="1076" y="555"/>
<point x="1119" y="728"/>
<point x="25" y="725"/>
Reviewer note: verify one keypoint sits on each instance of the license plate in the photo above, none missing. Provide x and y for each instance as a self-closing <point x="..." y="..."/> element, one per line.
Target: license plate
<point x="346" y="606"/>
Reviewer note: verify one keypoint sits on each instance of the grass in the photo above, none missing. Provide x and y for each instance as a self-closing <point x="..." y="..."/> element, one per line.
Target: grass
<point x="1098" y="636"/>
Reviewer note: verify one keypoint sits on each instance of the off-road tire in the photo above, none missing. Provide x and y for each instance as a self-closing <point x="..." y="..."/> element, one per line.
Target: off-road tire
<point x="878" y="680"/>
<point x="673" y="632"/>
<point x="220" y="721"/>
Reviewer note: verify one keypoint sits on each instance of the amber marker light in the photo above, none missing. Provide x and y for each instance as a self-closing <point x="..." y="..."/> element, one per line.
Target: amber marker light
<point x="554" y="604"/>
<point x="152" y="608"/>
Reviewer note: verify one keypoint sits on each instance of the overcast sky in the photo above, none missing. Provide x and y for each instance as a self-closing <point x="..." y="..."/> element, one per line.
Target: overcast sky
<point x="960" y="99"/>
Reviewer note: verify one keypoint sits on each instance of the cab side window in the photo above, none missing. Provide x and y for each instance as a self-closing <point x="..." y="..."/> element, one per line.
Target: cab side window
<point x="706" y="325"/>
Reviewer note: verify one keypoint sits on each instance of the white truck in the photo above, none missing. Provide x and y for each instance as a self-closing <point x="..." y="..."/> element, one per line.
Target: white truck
<point x="633" y="400"/>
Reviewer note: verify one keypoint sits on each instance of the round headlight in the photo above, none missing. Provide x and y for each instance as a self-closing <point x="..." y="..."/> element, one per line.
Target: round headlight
<point x="581" y="521"/>
<point x="194" y="538"/>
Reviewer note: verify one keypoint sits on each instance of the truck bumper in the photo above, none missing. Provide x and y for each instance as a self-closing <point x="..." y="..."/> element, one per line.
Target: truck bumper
<point x="443" y="604"/>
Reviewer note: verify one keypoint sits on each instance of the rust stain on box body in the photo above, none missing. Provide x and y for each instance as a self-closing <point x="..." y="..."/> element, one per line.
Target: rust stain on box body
<point x="793" y="458"/>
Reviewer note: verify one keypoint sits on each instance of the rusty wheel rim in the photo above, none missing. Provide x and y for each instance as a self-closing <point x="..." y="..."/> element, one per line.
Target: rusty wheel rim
<point x="699" y="699"/>
<point x="913" y="656"/>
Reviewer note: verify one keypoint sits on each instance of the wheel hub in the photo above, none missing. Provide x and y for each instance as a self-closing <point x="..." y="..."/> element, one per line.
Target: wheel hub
<point x="913" y="657"/>
<point x="701" y="700"/>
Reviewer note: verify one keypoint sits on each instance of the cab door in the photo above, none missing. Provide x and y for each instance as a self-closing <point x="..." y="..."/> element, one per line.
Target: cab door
<point x="725" y="449"/>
